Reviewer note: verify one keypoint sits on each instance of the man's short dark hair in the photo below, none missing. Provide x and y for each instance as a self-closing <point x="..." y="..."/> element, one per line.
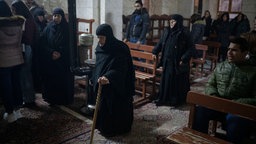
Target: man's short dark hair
<point x="195" y="17"/>
<point x="244" y="45"/>
<point x="139" y="1"/>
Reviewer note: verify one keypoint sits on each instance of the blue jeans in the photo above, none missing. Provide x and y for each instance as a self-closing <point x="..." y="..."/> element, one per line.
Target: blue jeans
<point x="26" y="77"/>
<point x="134" y="40"/>
<point x="236" y="127"/>
<point x="10" y="88"/>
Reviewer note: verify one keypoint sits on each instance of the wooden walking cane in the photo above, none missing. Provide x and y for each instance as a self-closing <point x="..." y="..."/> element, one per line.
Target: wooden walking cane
<point x="95" y="112"/>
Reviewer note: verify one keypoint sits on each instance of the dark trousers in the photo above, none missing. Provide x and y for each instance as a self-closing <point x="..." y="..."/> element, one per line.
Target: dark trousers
<point x="26" y="78"/>
<point x="236" y="127"/>
<point x="10" y="88"/>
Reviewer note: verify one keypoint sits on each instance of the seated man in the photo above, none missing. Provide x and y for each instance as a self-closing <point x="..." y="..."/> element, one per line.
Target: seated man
<point x="233" y="79"/>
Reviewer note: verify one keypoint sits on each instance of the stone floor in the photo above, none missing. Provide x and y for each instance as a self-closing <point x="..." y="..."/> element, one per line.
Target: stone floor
<point x="151" y="123"/>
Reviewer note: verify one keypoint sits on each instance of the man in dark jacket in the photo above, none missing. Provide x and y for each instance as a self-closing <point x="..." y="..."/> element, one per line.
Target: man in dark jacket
<point x="233" y="79"/>
<point x="138" y="26"/>
<point x="114" y="71"/>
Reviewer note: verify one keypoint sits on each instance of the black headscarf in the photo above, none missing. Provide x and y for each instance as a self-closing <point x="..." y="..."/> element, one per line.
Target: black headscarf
<point x="39" y="12"/>
<point x="60" y="12"/>
<point x="61" y="29"/>
<point x="107" y="57"/>
<point x="5" y="10"/>
<point x="21" y="9"/>
<point x="41" y="24"/>
<point x="112" y="47"/>
<point x="106" y="30"/>
<point x="140" y="2"/>
<point x="179" y="21"/>
<point x="57" y="35"/>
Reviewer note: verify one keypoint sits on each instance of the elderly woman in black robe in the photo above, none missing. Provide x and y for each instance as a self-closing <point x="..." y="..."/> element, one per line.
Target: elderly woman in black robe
<point x="177" y="48"/>
<point x="58" y="81"/>
<point x="114" y="71"/>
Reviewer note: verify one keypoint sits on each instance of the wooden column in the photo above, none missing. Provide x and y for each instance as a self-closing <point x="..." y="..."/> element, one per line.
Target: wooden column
<point x="74" y="60"/>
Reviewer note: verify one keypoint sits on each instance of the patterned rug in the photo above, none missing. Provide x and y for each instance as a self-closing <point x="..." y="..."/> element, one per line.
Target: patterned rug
<point x="42" y="126"/>
<point x="151" y="125"/>
<point x="53" y="125"/>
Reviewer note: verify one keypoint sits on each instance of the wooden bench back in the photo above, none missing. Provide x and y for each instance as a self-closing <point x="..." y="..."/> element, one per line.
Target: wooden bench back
<point x="200" y="61"/>
<point x="212" y="44"/>
<point x="133" y="45"/>
<point x="143" y="60"/>
<point x="145" y="71"/>
<point x="202" y="47"/>
<point x="146" y="48"/>
<point x="213" y="52"/>
<point x="141" y="47"/>
<point x="213" y="48"/>
<point x="219" y="104"/>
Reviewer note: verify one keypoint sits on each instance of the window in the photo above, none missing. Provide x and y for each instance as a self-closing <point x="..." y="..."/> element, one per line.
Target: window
<point x="233" y="7"/>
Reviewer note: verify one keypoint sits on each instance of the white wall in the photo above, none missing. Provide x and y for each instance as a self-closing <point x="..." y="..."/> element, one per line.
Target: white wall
<point x="249" y="9"/>
<point x="212" y="6"/>
<point x="102" y="11"/>
<point x="183" y="7"/>
<point x="111" y="13"/>
<point x="169" y="7"/>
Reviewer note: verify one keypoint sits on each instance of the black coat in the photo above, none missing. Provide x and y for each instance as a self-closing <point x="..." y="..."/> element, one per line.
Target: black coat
<point x="208" y="26"/>
<point x="138" y="27"/>
<point x="58" y="81"/>
<point x="175" y="45"/>
<point x="113" y="60"/>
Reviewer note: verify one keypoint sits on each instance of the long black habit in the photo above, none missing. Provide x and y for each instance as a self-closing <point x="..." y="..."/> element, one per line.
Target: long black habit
<point x="176" y="46"/>
<point x="113" y="60"/>
<point x="58" y="81"/>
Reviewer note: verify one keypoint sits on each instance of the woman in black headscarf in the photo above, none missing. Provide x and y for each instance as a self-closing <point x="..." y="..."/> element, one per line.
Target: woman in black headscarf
<point x="58" y="81"/>
<point x="41" y="23"/>
<point x="177" y="48"/>
<point x="114" y="70"/>
<point x="40" y="20"/>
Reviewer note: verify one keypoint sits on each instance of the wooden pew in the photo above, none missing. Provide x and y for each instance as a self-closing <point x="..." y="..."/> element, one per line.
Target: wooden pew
<point x="190" y="136"/>
<point x="213" y="52"/>
<point x="199" y="62"/>
<point x="154" y="30"/>
<point x="145" y="71"/>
